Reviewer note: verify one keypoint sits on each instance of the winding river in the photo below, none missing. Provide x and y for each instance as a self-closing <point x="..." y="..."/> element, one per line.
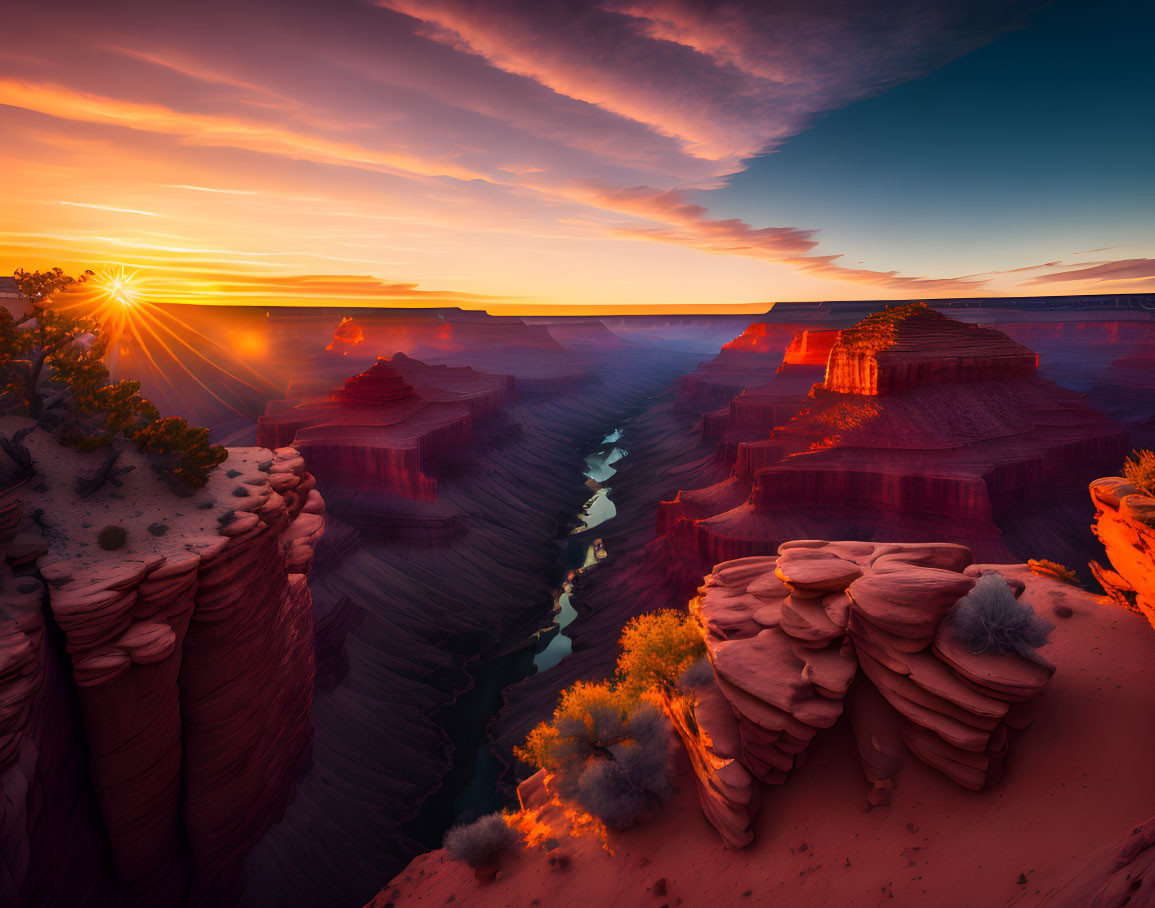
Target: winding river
<point x="583" y="551"/>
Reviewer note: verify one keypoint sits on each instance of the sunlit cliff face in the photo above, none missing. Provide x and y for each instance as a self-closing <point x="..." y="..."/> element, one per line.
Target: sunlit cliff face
<point x="347" y="334"/>
<point x="513" y="156"/>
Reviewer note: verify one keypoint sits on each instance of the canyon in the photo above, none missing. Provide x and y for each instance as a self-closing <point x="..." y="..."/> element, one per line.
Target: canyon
<point x="393" y="517"/>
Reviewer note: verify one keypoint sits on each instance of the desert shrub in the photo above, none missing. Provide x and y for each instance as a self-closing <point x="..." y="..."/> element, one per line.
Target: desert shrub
<point x="990" y="619"/>
<point x="590" y="717"/>
<point x="607" y="753"/>
<point x="699" y="672"/>
<point x="112" y="538"/>
<point x="1054" y="569"/>
<point x="480" y="842"/>
<point x="633" y="781"/>
<point x="656" y="649"/>
<point x="186" y="449"/>
<point x="1139" y="470"/>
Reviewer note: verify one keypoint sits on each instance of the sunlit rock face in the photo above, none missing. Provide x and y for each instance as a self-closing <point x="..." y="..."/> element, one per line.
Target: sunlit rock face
<point x="748" y="361"/>
<point x="924" y="429"/>
<point x="382" y="427"/>
<point x="823" y="627"/>
<point x="1125" y="524"/>
<point x="911" y="347"/>
<point x="759" y="408"/>
<point x="176" y="667"/>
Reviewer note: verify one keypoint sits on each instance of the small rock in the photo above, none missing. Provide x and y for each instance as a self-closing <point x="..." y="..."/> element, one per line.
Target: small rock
<point x="659" y="887"/>
<point x="1063" y="611"/>
<point x="158" y="529"/>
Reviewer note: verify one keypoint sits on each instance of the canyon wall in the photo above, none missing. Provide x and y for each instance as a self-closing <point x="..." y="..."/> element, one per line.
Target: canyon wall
<point x="189" y="658"/>
<point x="924" y="429"/>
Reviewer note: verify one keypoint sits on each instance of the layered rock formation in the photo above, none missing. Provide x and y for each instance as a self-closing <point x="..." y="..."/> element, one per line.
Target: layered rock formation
<point x="924" y="429"/>
<point x="378" y="432"/>
<point x="786" y="637"/>
<point x="189" y="661"/>
<point x="1125" y="524"/>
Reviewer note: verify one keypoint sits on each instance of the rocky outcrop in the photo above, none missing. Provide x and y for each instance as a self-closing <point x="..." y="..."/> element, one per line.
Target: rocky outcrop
<point x="1054" y="832"/>
<point x="913" y="346"/>
<point x="1125" y="524"/>
<point x="924" y="429"/>
<point x="377" y="431"/>
<point x="787" y="636"/>
<point x="189" y="656"/>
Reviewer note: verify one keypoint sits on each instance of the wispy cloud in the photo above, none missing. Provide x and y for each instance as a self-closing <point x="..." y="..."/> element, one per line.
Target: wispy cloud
<point x="151" y="214"/>
<point x="1103" y="272"/>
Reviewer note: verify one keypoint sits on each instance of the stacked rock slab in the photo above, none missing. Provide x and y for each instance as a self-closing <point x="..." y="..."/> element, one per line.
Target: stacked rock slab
<point x="787" y="636"/>
<point x="1125" y="524"/>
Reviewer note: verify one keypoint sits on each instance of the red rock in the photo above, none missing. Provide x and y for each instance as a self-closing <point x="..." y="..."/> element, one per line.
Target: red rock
<point x="1005" y="674"/>
<point x="908" y="601"/>
<point x="816" y="570"/>
<point x="807" y="621"/>
<point x="931" y="455"/>
<point x="191" y="661"/>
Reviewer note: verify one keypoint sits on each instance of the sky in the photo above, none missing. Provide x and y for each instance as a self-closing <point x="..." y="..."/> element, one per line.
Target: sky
<point x="565" y="156"/>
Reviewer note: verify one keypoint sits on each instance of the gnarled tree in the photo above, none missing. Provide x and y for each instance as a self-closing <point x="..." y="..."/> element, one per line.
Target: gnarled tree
<point x="52" y="363"/>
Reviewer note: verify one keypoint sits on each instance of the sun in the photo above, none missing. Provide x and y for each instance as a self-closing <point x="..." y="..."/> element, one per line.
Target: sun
<point x="120" y="286"/>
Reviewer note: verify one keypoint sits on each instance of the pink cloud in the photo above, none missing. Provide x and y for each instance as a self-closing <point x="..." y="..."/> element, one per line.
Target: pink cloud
<point x="727" y="80"/>
<point x="687" y="224"/>
<point x="1103" y="272"/>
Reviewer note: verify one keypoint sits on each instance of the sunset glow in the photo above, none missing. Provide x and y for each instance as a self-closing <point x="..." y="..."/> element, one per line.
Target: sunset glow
<point x="445" y="154"/>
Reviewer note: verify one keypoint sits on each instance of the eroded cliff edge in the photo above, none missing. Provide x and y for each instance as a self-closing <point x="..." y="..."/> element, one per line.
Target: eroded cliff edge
<point x="155" y="689"/>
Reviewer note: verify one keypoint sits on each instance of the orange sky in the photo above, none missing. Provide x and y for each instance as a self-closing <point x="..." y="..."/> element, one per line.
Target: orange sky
<point x="416" y="154"/>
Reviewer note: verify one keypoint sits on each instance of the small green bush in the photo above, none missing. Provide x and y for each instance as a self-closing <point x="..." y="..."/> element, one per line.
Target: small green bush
<point x="112" y="538"/>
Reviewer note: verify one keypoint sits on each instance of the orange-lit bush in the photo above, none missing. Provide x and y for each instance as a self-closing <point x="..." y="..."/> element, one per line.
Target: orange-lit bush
<point x="1053" y="569"/>
<point x="609" y="750"/>
<point x="589" y="719"/>
<point x="1139" y="470"/>
<point x="656" y="649"/>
